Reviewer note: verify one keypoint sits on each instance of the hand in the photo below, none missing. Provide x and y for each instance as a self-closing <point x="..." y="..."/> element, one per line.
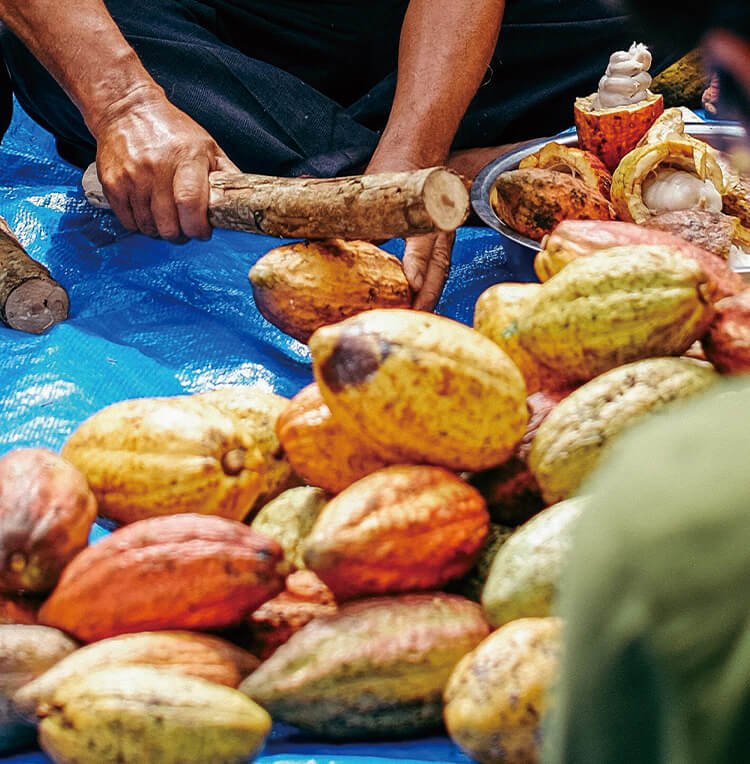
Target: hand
<point x="153" y="161"/>
<point x="427" y="262"/>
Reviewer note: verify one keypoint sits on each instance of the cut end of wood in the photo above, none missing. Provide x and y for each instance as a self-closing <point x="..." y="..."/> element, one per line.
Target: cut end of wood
<point x="446" y="199"/>
<point x="35" y="305"/>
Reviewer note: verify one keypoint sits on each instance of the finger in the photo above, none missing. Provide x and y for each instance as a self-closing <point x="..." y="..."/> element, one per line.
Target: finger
<point x="417" y="255"/>
<point x="437" y="273"/>
<point x="224" y="163"/>
<point x="191" y="197"/>
<point x="121" y="207"/>
<point x="141" y="206"/>
<point x="164" y="213"/>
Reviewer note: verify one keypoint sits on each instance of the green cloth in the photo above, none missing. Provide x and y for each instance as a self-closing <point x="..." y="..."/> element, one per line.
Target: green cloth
<point x="657" y="596"/>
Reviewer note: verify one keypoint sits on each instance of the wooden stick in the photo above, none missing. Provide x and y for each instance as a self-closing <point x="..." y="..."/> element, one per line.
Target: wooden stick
<point x="30" y="299"/>
<point x="370" y="207"/>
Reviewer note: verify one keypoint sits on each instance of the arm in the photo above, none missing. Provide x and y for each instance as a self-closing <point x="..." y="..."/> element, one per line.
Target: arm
<point x="446" y="46"/>
<point x="153" y="160"/>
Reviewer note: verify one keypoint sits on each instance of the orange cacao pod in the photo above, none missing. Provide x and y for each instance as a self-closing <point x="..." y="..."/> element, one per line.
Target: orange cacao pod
<point x="321" y="452"/>
<point x="727" y="343"/>
<point x="400" y="529"/>
<point x="46" y="513"/>
<point x="176" y="572"/>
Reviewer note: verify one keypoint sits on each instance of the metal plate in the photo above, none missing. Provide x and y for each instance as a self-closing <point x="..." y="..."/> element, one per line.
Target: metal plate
<point x="716" y="133"/>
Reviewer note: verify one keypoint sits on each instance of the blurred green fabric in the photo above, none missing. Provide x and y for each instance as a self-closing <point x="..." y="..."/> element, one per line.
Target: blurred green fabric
<point x="657" y="595"/>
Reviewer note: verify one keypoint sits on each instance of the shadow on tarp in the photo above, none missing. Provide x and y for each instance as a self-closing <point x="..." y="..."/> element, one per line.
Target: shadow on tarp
<point x="149" y="318"/>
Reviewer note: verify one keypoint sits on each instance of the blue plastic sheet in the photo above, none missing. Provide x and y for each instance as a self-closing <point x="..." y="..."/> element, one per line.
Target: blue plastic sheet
<point x="148" y="318"/>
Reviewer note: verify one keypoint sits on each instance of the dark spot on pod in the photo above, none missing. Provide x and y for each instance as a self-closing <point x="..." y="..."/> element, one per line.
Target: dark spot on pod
<point x="233" y="462"/>
<point x="355" y="358"/>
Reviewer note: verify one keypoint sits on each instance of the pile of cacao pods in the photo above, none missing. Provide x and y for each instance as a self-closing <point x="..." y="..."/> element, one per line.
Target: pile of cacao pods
<point x="373" y="558"/>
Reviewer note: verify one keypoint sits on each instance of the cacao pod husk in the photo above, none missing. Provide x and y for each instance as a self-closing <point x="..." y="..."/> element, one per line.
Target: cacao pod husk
<point x="727" y="343"/>
<point x="159" y="456"/>
<point x="177" y="572"/>
<point x="144" y="714"/>
<point x="46" y="513"/>
<point x="421" y="388"/>
<point x="403" y="528"/>
<point x="376" y="668"/>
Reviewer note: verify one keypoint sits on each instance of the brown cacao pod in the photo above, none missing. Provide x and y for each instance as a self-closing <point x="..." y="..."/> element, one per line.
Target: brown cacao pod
<point x="273" y="623"/>
<point x="184" y="652"/>
<point x="257" y="411"/>
<point x="159" y="456"/>
<point x="321" y="451"/>
<point x="376" y="668"/>
<point x="25" y="652"/>
<point x="302" y="286"/>
<point x="579" y="163"/>
<point x="533" y="201"/>
<point x="403" y="528"/>
<point x="46" y="513"/>
<point x="727" y="343"/>
<point x="498" y="694"/>
<point x="616" y="306"/>
<point x="421" y="388"/>
<point x="178" y="572"/>
<point x="575" y="238"/>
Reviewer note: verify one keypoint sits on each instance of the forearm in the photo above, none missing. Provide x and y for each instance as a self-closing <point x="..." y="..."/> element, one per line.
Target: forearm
<point x="84" y="50"/>
<point x="446" y="46"/>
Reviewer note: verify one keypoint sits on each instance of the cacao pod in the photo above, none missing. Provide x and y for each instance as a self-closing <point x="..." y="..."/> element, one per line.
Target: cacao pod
<point x="143" y="714"/>
<point x="421" y="388"/>
<point x="403" y="528"/>
<point x="375" y="668"/>
<point x="289" y="518"/>
<point x="18" y="610"/>
<point x="177" y="572"/>
<point x="46" y="513"/>
<point x="579" y="163"/>
<point x="321" y="451"/>
<point x="302" y="286"/>
<point x="257" y="410"/>
<point x="727" y="343"/>
<point x="525" y="575"/>
<point x="576" y="238"/>
<point x="497" y="696"/>
<point x="184" y="652"/>
<point x="533" y="201"/>
<point x="616" y="306"/>
<point x="158" y="456"/>
<point x="25" y="652"/>
<point x="574" y="437"/>
<point x="471" y="585"/>
<point x="612" y="133"/>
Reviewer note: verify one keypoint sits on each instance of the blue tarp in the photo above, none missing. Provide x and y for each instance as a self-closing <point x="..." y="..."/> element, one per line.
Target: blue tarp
<point x="149" y="318"/>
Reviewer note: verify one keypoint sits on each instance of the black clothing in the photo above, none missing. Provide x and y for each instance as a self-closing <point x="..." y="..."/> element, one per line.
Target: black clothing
<point x="293" y="87"/>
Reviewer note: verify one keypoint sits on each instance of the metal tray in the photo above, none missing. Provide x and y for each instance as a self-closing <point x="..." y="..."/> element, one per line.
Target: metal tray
<point x="715" y="133"/>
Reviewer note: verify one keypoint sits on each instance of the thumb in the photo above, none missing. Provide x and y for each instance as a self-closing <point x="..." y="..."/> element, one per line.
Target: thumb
<point x="224" y="163"/>
<point x="417" y="256"/>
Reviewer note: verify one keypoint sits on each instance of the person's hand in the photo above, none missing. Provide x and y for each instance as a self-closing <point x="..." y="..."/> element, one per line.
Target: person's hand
<point x="153" y="162"/>
<point x="427" y="262"/>
<point x="427" y="259"/>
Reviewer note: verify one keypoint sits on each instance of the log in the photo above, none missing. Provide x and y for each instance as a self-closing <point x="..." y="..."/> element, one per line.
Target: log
<point x="30" y="299"/>
<point x="369" y="207"/>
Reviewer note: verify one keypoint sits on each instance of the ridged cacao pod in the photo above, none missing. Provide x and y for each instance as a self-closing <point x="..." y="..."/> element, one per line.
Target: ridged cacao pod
<point x="376" y="668"/>
<point x="302" y="286"/>
<point x="159" y="456"/>
<point x="178" y="572"/>
<point x="497" y="697"/>
<point x="421" y="388"/>
<point x="46" y="513"/>
<point x="144" y="714"/>
<point x="401" y="529"/>
<point x="25" y="653"/>
<point x="321" y="451"/>
<point x="183" y="652"/>
<point x="617" y="306"/>
<point x="574" y="437"/>
<point x="727" y="344"/>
